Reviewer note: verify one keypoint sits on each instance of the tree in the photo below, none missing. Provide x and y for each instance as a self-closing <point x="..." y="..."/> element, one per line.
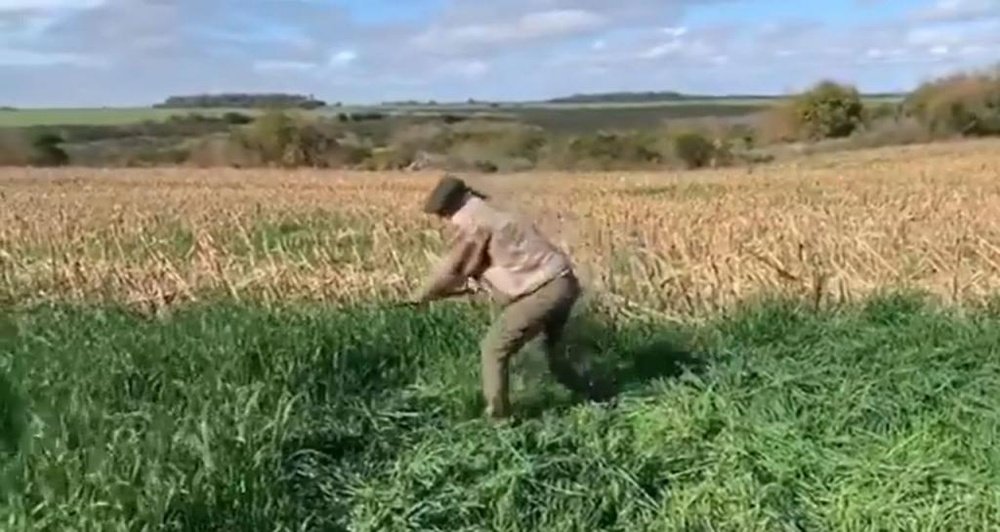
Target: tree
<point x="828" y="110"/>
<point x="694" y="149"/>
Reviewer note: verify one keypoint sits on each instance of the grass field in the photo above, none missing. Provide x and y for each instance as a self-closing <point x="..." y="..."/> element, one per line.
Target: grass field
<point x="558" y="117"/>
<point x="670" y="109"/>
<point x="195" y="350"/>
<point x="541" y="113"/>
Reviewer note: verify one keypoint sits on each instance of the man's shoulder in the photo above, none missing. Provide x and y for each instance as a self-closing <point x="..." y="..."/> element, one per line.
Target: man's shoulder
<point x="467" y="233"/>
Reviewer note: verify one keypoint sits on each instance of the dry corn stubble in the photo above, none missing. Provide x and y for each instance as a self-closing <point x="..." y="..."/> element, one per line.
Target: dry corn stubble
<point x="829" y="228"/>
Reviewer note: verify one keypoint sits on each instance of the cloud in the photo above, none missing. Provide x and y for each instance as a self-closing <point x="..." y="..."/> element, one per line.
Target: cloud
<point x="15" y="57"/>
<point x="140" y="51"/>
<point x="527" y="27"/>
<point x="343" y="58"/>
<point x="959" y="10"/>
<point x="281" y="66"/>
<point x="41" y="5"/>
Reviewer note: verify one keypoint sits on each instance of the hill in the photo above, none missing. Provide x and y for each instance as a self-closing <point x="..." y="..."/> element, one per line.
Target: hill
<point x="673" y="96"/>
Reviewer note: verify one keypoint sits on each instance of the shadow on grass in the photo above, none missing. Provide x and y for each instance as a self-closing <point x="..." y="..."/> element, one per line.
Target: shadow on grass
<point x="13" y="419"/>
<point x="616" y="360"/>
<point x="660" y="359"/>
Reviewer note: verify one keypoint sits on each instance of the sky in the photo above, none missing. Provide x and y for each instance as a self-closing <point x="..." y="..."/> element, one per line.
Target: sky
<point x="138" y="52"/>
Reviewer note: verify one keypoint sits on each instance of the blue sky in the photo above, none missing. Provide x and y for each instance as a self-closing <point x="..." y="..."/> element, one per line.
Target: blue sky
<point x="137" y="52"/>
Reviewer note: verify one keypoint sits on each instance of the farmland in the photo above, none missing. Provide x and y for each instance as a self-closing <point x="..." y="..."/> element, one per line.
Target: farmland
<point x="804" y="345"/>
<point x="541" y="113"/>
<point x="503" y="135"/>
<point x="558" y="116"/>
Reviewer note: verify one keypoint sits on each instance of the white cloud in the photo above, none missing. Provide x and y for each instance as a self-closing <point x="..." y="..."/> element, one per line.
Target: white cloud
<point x="558" y="22"/>
<point x="342" y="58"/>
<point x="675" y="32"/>
<point x="22" y="58"/>
<point x="281" y="66"/>
<point x="972" y="49"/>
<point x="662" y="50"/>
<point x="935" y="36"/>
<point x="470" y="69"/>
<point x="466" y="48"/>
<point x="530" y="26"/>
<point x="959" y="10"/>
<point x="475" y="69"/>
<point x="29" y="5"/>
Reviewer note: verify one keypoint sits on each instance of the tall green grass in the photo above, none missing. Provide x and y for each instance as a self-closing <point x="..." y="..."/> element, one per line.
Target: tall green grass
<point x="234" y="417"/>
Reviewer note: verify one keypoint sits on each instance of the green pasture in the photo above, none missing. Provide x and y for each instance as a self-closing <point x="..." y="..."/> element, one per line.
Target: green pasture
<point x="234" y="416"/>
<point x="110" y="116"/>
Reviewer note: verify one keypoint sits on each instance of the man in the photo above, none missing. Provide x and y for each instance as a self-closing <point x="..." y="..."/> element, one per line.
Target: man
<point x="530" y="277"/>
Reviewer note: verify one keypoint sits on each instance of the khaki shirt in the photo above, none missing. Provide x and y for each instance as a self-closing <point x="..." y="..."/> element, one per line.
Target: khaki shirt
<point x="508" y="256"/>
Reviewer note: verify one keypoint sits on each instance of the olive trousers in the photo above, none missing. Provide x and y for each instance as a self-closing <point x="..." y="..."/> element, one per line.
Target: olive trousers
<point x="544" y="312"/>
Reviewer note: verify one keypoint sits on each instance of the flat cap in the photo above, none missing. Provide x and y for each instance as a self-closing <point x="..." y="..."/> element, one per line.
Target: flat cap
<point x="447" y="193"/>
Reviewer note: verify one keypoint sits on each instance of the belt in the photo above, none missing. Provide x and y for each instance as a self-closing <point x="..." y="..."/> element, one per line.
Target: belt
<point x="568" y="273"/>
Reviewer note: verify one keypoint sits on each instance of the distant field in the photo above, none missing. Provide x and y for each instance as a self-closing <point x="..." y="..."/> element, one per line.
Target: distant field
<point x="542" y="113"/>
<point x="92" y="116"/>
<point x="539" y="112"/>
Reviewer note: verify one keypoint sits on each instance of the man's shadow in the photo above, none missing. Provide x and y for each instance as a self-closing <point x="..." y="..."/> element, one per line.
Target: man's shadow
<point x="617" y="359"/>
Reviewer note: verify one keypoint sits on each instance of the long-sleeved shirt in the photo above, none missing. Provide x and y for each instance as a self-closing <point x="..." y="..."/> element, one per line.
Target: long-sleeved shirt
<point x="508" y="256"/>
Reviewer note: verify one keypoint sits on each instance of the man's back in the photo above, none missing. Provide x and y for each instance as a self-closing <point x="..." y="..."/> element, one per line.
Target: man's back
<point x="520" y="258"/>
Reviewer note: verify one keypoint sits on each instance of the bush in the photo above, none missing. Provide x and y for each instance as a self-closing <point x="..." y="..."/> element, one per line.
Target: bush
<point x="828" y="110"/>
<point x="471" y="144"/>
<point x="963" y="104"/>
<point x="280" y="139"/>
<point x="46" y="151"/>
<point x="882" y="112"/>
<point x="694" y="149"/>
<point x="235" y="118"/>
<point x="777" y="124"/>
<point x="608" y="151"/>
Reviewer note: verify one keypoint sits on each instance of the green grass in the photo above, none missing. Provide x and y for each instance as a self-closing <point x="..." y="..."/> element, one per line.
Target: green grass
<point x="543" y="113"/>
<point x="229" y="416"/>
<point x="112" y="116"/>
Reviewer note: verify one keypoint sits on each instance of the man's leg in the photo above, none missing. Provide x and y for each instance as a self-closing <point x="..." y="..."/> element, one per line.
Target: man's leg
<point x="571" y="370"/>
<point x="517" y="324"/>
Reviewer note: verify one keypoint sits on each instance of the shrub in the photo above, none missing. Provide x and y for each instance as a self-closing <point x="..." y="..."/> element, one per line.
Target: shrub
<point x="882" y="112"/>
<point x="493" y="146"/>
<point x="606" y="151"/>
<point x="777" y="123"/>
<point x="429" y="137"/>
<point x="46" y="151"/>
<point x="694" y="149"/>
<point x="743" y="134"/>
<point x="828" y="110"/>
<point x="473" y="144"/>
<point x="280" y="139"/>
<point x="157" y="156"/>
<point x="962" y="104"/>
<point x="235" y="118"/>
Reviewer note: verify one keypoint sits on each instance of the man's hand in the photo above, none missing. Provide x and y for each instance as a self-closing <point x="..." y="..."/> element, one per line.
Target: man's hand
<point x="465" y="260"/>
<point x="426" y="297"/>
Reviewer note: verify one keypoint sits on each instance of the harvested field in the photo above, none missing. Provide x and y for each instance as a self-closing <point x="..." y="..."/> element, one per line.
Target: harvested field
<point x="833" y="229"/>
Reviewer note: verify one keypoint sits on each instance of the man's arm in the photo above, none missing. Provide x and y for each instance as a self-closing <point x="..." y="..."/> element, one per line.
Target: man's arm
<point x="450" y="277"/>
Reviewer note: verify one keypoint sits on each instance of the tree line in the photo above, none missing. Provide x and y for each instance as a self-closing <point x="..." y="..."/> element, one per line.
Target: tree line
<point x="242" y="101"/>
